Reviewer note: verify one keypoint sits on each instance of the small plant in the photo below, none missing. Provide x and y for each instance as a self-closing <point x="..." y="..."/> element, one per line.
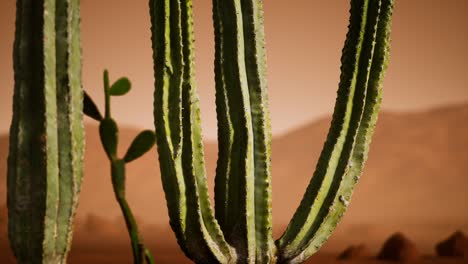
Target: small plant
<point x="45" y="162"/>
<point x="142" y="143"/>
<point x="240" y="229"/>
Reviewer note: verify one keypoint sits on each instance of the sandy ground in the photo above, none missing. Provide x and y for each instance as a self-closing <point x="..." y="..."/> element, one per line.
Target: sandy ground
<point x="122" y="256"/>
<point x="116" y="251"/>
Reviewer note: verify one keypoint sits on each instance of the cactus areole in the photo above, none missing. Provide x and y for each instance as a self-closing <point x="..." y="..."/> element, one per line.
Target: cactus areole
<point x="47" y="134"/>
<point x="240" y="228"/>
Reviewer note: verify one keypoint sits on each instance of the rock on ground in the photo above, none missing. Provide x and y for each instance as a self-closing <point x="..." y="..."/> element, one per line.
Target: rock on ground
<point x="354" y="252"/>
<point x="454" y="246"/>
<point x="399" y="248"/>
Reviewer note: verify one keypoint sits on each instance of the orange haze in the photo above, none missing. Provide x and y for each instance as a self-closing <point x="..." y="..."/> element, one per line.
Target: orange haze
<point x="304" y="41"/>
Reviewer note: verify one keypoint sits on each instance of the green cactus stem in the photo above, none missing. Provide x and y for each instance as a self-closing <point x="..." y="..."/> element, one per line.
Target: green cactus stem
<point x="243" y="178"/>
<point x="364" y="62"/>
<point x="241" y="231"/>
<point x="45" y="163"/>
<point x="178" y="135"/>
<point x="109" y="134"/>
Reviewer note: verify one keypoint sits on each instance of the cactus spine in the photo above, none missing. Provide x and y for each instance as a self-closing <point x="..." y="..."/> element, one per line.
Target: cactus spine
<point x="47" y="135"/>
<point x="241" y="229"/>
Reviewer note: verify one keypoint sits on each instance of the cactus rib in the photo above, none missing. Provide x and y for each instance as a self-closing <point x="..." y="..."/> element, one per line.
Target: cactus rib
<point x="182" y="172"/>
<point x="243" y="180"/>
<point x="225" y="128"/>
<point x="69" y="105"/>
<point x="321" y="210"/>
<point x="239" y="214"/>
<point x="255" y="60"/>
<point x="45" y="166"/>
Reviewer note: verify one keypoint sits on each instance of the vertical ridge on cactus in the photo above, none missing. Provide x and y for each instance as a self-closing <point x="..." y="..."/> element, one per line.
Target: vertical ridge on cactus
<point x="240" y="44"/>
<point x="45" y="166"/>
<point x="225" y="130"/>
<point x="256" y="76"/>
<point x="192" y="151"/>
<point x="69" y="103"/>
<point x="238" y="223"/>
<point x="241" y="231"/>
<point x="182" y="163"/>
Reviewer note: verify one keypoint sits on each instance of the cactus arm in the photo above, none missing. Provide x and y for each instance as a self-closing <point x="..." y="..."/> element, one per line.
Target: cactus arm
<point x="239" y="222"/>
<point x="178" y="67"/>
<point x="69" y="107"/>
<point x="321" y="209"/>
<point x="44" y="170"/>
<point x="172" y="179"/>
<point x="193" y="132"/>
<point x="328" y="161"/>
<point x="243" y="181"/>
<point x="27" y="207"/>
<point x="185" y="184"/>
<point x="364" y="134"/>
<point x="255" y="58"/>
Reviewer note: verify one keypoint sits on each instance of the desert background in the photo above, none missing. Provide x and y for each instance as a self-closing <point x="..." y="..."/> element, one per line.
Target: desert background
<point x="415" y="181"/>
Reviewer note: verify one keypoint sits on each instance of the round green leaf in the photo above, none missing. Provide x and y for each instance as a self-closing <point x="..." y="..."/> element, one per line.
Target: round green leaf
<point x="140" y="145"/>
<point x="109" y="134"/>
<point x="120" y="87"/>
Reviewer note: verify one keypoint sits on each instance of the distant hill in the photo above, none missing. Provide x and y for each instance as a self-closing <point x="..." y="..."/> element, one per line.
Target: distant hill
<point x="415" y="180"/>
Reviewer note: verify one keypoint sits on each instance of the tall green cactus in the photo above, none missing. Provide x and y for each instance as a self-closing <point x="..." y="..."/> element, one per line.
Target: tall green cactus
<point x="240" y="230"/>
<point x="47" y="134"/>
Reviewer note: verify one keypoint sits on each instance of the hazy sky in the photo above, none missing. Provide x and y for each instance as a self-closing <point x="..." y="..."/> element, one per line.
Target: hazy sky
<point x="304" y="41"/>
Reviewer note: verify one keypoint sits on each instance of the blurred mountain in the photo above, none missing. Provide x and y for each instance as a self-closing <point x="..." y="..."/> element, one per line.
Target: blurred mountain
<point x="415" y="181"/>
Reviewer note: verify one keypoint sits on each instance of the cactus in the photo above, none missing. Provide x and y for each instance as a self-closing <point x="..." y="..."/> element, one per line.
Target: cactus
<point x="109" y="134"/>
<point x="240" y="230"/>
<point x="47" y="135"/>
<point x="364" y="61"/>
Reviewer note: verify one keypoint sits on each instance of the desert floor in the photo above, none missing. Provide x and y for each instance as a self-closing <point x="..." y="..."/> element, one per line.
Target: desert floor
<point x="121" y="256"/>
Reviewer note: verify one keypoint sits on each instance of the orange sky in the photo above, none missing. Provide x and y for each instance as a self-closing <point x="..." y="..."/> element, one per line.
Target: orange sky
<point x="304" y="41"/>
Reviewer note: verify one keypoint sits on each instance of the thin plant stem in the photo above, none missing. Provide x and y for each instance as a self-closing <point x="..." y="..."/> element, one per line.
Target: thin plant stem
<point x="140" y="252"/>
